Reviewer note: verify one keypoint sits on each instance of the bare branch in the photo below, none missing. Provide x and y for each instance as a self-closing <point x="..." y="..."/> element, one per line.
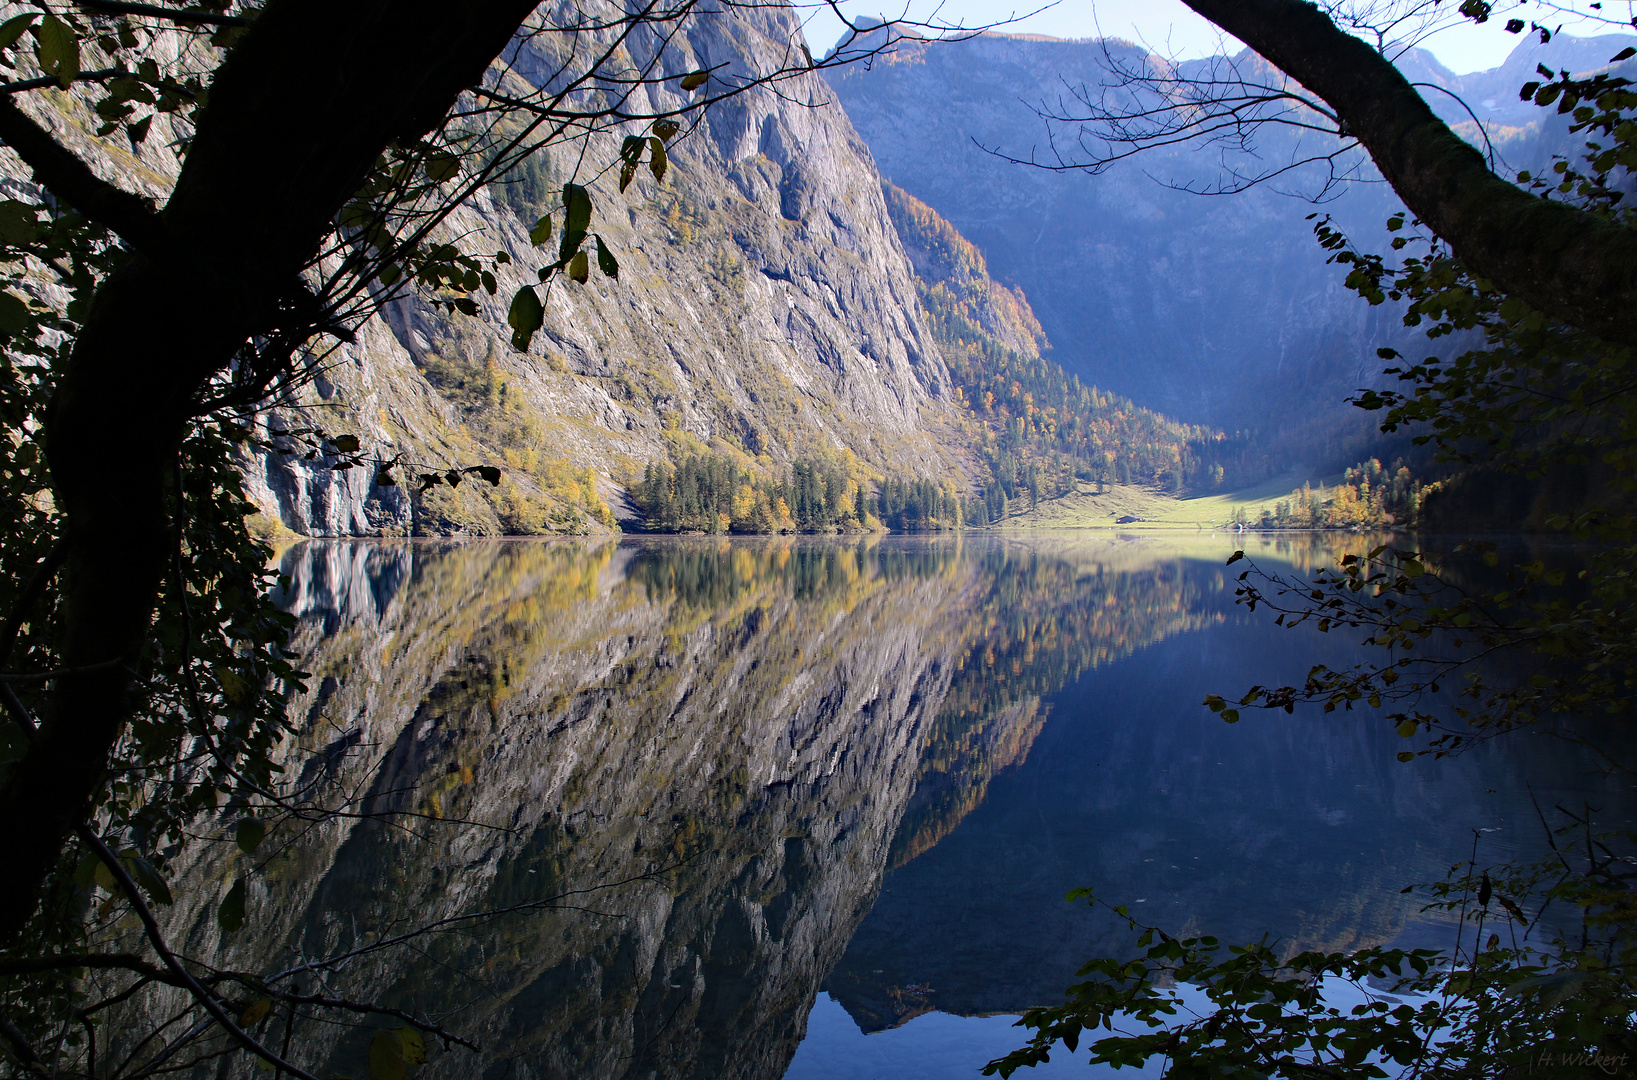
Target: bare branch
<point x="185" y="16"/>
<point x="156" y="939"/>
<point x="68" y="178"/>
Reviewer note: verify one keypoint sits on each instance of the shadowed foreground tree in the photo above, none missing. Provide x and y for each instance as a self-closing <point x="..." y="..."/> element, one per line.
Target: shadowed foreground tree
<point x="1540" y="275"/>
<point x="317" y="150"/>
<point x="1568" y="263"/>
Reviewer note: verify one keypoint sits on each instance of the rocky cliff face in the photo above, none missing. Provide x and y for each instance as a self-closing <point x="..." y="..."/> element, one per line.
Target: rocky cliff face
<point x="764" y="305"/>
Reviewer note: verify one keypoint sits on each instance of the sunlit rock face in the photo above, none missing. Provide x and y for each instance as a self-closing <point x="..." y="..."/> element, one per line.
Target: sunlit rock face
<point x="763" y="303"/>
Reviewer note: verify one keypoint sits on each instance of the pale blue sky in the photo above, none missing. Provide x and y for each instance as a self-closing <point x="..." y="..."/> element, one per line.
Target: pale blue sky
<point x="1169" y="27"/>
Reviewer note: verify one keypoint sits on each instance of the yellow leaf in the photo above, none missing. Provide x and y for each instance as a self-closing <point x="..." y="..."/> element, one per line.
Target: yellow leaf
<point x="411" y="1046"/>
<point x="386" y="1059"/>
<point x="255" y="1012"/>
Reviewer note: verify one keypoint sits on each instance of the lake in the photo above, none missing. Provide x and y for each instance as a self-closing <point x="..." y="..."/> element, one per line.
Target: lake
<point x="809" y="807"/>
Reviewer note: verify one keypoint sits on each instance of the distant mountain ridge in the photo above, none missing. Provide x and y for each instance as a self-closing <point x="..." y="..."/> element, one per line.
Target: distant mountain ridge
<point x="1215" y="310"/>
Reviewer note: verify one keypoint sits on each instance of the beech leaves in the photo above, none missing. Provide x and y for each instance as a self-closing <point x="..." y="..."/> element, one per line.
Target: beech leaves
<point x="528" y="313"/>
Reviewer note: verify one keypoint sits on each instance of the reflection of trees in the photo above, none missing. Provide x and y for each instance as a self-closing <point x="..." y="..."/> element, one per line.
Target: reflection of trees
<point x="719" y="740"/>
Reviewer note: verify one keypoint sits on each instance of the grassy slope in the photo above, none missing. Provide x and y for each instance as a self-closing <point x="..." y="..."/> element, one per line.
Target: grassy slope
<point x="1087" y="510"/>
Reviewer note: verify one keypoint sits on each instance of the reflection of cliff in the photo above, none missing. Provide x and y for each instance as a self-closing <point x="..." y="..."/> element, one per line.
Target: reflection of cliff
<point x="729" y="729"/>
<point x="1304" y="828"/>
<point x="719" y="739"/>
<point x="1036" y="624"/>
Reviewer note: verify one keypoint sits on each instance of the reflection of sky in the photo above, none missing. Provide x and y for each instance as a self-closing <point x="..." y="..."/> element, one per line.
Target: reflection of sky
<point x="935" y="1046"/>
<point x="938" y="1046"/>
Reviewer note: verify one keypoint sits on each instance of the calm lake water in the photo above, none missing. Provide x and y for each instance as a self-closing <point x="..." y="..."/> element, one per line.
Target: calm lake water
<point x="768" y="808"/>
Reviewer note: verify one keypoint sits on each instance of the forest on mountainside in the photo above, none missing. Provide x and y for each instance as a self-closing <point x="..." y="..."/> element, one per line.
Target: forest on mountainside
<point x="1037" y="428"/>
<point x="721" y="492"/>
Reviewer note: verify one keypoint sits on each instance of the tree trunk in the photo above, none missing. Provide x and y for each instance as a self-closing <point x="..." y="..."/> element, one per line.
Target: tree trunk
<point x="298" y="113"/>
<point x="1570" y="265"/>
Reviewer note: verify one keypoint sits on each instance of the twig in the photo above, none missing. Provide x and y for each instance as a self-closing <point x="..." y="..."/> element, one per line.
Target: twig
<point x="186" y="16"/>
<point x="156" y="938"/>
<point x="43" y="676"/>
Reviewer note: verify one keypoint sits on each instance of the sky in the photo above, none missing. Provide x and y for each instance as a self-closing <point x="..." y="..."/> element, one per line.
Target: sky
<point x="1170" y="28"/>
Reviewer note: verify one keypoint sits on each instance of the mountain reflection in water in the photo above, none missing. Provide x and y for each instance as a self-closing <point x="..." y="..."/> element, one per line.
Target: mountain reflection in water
<point x="752" y="769"/>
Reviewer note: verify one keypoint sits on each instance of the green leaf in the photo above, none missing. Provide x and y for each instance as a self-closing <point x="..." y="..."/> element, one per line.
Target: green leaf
<point x="489" y="473"/>
<point x="230" y="913"/>
<point x="235" y="688"/>
<point x="57" y="49"/>
<point x="14" y="28"/>
<point x="85" y="873"/>
<point x="411" y="1045"/>
<point x="146" y="876"/>
<point x="138" y="131"/>
<point x="525" y="317"/>
<point x="1408" y="728"/>
<point x="346" y="444"/>
<point x="249" y="834"/>
<point x="1624" y="54"/>
<point x="630" y="157"/>
<point x="576" y="219"/>
<point x="657" y="160"/>
<point x="386" y="1056"/>
<point x="576" y="208"/>
<point x="579" y="267"/>
<point x="442" y="166"/>
<point x="666" y="128"/>
<point x="694" y="80"/>
<point x="255" y="1012"/>
<point x="540" y="233"/>
<point x="1235" y="557"/>
<point x="605" y="260"/>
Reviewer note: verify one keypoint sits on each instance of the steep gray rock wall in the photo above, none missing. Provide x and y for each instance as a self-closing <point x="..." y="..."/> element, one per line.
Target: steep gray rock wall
<point x="763" y="305"/>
